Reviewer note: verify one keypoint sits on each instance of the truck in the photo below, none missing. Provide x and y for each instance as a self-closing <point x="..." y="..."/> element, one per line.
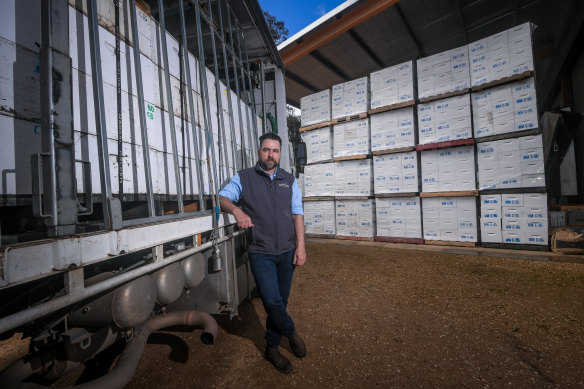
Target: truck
<point x="120" y="120"/>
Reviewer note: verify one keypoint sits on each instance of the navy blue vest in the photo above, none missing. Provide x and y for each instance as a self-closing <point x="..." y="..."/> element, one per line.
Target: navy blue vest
<point x="268" y="203"/>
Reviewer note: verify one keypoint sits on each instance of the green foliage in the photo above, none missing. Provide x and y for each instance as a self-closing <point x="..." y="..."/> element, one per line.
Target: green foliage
<point x="293" y="124"/>
<point x="278" y="30"/>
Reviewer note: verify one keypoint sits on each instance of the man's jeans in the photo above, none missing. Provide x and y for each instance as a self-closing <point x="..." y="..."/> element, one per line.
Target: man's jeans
<point x="273" y="277"/>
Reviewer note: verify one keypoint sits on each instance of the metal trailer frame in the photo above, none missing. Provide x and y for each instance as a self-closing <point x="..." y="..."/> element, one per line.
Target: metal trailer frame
<point x="67" y="252"/>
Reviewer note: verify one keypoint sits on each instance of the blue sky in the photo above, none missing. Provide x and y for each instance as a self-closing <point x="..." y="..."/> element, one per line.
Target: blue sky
<point x="297" y="14"/>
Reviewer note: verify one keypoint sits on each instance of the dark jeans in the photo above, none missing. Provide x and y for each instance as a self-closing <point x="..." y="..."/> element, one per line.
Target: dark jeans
<point x="273" y="276"/>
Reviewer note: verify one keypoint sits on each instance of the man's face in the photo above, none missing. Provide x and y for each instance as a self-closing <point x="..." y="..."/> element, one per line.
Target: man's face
<point x="269" y="154"/>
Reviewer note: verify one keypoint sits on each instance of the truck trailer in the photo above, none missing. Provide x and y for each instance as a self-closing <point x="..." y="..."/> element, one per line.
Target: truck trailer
<point x="120" y="120"/>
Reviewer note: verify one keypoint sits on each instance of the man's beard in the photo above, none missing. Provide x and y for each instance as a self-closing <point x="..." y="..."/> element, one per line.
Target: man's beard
<point x="268" y="164"/>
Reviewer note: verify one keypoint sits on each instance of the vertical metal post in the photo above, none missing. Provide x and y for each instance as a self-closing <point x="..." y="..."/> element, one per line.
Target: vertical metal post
<point x="253" y="106"/>
<point x="228" y="82"/>
<point x="218" y="92"/>
<point x="244" y="161"/>
<point x="204" y="92"/>
<point x="252" y="141"/>
<point x="102" y="147"/>
<point x="170" y="107"/>
<point x="263" y="76"/>
<point x="187" y="68"/>
<point x="142" y="108"/>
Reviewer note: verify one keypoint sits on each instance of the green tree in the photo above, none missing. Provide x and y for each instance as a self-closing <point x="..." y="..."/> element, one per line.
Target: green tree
<point x="278" y="30"/>
<point x="293" y="124"/>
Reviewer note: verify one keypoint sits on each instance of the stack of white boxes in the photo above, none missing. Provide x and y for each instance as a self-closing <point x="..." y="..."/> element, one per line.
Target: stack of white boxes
<point x="392" y="129"/>
<point x="446" y="170"/>
<point x="511" y="163"/>
<point x="452" y="219"/>
<point x="501" y="55"/>
<point x="319" y="180"/>
<point x="399" y="217"/>
<point x="525" y="218"/>
<point x="353" y="178"/>
<point x="443" y="73"/>
<point x="316" y="108"/>
<point x="352" y="138"/>
<point x="350" y="98"/>
<point x="319" y="217"/>
<point x="355" y="218"/>
<point x="396" y="173"/>
<point x="490" y="219"/>
<point x="504" y="109"/>
<point x="392" y="85"/>
<point x="445" y="120"/>
<point x="319" y="144"/>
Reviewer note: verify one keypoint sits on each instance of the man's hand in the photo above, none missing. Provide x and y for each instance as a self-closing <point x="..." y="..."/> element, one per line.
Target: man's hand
<point x="243" y="220"/>
<point x="299" y="256"/>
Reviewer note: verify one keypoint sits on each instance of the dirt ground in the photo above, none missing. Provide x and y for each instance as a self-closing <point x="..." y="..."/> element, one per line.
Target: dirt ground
<point x="374" y="316"/>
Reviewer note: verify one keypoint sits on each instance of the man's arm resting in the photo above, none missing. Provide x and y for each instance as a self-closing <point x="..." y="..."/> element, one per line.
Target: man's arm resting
<point x="300" y="253"/>
<point x="242" y="218"/>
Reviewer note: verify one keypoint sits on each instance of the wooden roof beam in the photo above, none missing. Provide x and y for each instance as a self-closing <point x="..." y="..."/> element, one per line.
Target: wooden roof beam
<point x="333" y="30"/>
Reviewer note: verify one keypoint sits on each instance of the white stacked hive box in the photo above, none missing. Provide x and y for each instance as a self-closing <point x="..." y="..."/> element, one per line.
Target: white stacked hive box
<point x="446" y="170"/>
<point x="490" y="219"/>
<point x="319" y="180"/>
<point x="399" y="217"/>
<point x="354" y="178"/>
<point x="300" y="181"/>
<point x="350" y="98"/>
<point x="319" y="217"/>
<point x="504" y="109"/>
<point x="315" y="108"/>
<point x="445" y="120"/>
<point x="392" y="129"/>
<point x="450" y="219"/>
<point x="501" y="55"/>
<point x="443" y="73"/>
<point x="396" y="173"/>
<point x="525" y="218"/>
<point x="355" y="218"/>
<point x="511" y="163"/>
<point x="319" y="144"/>
<point x="392" y="85"/>
<point x="352" y="138"/>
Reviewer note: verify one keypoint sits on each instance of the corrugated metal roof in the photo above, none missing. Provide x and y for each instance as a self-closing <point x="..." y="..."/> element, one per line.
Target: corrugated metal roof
<point x="409" y="29"/>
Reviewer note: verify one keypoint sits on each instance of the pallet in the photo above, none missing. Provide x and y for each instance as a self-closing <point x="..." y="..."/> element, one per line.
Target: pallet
<point x="319" y="162"/>
<point x="318" y="198"/>
<point x="391" y="107"/>
<point x="361" y="238"/>
<point x="399" y="240"/>
<point x="314" y="126"/>
<point x="354" y="197"/>
<point x="447" y="144"/>
<point x="445" y="95"/>
<point x="460" y="193"/>
<point x="515" y="77"/>
<point x="449" y="243"/>
<point x="529" y="247"/>
<point x="351" y="157"/>
<point x="393" y="151"/>
<point x="508" y="135"/>
<point x="398" y="194"/>
<point x="540" y="189"/>
<point x="345" y="119"/>
<point x="320" y="236"/>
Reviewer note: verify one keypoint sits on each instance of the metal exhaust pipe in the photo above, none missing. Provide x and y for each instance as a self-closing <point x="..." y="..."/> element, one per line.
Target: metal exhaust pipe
<point x="120" y="375"/>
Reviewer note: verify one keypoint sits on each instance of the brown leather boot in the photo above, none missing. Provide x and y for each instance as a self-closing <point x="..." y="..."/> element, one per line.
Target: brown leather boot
<point x="280" y="362"/>
<point x="297" y="345"/>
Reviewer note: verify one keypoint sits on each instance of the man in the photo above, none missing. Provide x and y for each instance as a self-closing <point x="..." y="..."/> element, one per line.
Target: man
<point x="269" y="207"/>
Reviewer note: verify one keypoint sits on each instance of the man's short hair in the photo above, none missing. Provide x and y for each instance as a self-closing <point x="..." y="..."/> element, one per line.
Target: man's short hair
<point x="272" y="136"/>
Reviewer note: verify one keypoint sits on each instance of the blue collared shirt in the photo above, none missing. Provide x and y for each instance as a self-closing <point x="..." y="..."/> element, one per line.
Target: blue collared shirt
<point x="233" y="192"/>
